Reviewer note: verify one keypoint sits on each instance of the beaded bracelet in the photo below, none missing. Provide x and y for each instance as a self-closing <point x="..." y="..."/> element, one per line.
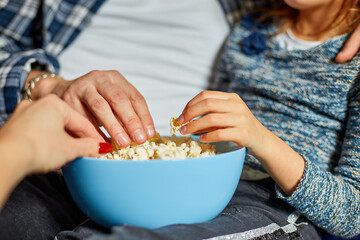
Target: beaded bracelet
<point x="31" y="84"/>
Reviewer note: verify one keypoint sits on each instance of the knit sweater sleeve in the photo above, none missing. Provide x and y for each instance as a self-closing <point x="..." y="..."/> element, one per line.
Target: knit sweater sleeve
<point x="331" y="200"/>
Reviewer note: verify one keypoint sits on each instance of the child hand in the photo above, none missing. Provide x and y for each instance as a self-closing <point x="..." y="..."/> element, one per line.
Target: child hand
<point x="224" y="117"/>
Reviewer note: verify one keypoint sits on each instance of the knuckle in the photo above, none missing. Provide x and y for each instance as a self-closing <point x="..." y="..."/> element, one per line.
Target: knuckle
<point x="204" y="93"/>
<point x="219" y="135"/>
<point x="114" y="80"/>
<point x="209" y="103"/>
<point x="119" y="98"/>
<point x="132" y="120"/>
<point x="113" y="127"/>
<point x="97" y="104"/>
<point x="115" y="73"/>
<point x="186" y="113"/>
<point x="137" y="98"/>
<point x="96" y="73"/>
<point x="214" y="118"/>
<point x="204" y="137"/>
<point x="108" y="83"/>
<point x="80" y="85"/>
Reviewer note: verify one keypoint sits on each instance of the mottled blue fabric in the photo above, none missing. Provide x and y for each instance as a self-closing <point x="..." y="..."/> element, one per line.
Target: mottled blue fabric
<point x="312" y="104"/>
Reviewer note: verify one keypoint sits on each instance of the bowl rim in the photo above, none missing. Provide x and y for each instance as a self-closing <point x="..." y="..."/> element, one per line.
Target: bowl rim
<point x="161" y="160"/>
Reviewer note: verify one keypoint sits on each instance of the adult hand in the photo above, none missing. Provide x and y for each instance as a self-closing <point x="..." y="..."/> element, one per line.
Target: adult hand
<point x="48" y="134"/>
<point x="351" y="47"/>
<point x="108" y="99"/>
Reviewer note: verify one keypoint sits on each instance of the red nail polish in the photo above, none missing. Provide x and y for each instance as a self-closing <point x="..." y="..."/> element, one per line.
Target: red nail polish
<point x="105" y="147"/>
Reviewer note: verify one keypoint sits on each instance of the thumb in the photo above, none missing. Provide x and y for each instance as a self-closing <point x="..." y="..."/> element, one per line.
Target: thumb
<point x="83" y="147"/>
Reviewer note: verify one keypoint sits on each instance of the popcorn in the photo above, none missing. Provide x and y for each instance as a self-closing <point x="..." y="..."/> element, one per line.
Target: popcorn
<point x="162" y="148"/>
<point x="175" y="125"/>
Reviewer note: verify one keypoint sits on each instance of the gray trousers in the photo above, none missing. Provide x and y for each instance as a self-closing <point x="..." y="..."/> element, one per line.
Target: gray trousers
<point x="41" y="208"/>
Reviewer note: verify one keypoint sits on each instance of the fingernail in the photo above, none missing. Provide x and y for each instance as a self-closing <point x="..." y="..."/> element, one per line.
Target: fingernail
<point x="150" y="130"/>
<point x="123" y="140"/>
<point x="183" y="129"/>
<point x="105" y="147"/>
<point x="181" y="119"/>
<point x="139" y="136"/>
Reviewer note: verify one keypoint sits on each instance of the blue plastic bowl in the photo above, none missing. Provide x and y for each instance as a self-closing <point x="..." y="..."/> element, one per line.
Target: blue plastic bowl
<point x="155" y="193"/>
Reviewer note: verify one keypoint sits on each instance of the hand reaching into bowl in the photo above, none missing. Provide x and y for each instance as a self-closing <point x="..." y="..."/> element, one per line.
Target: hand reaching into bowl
<point x="225" y="117"/>
<point x="106" y="98"/>
<point x="43" y="136"/>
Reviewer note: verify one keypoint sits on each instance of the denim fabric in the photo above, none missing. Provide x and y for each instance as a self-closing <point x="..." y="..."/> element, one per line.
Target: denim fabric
<point x="253" y="206"/>
<point x="38" y="209"/>
<point x="41" y="207"/>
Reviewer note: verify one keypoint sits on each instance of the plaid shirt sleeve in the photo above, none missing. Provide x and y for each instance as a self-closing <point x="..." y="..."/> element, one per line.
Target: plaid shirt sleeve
<point x="35" y="31"/>
<point x="16" y="18"/>
<point x="15" y="66"/>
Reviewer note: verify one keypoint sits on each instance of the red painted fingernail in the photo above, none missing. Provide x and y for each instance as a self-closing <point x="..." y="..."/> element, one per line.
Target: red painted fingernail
<point x="105" y="147"/>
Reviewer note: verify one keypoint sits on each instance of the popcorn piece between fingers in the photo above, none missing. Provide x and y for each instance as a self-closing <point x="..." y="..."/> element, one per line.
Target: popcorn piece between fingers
<point x="175" y="125"/>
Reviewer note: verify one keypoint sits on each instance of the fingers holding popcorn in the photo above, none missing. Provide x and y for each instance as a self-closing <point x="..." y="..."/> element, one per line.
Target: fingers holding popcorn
<point x="221" y="117"/>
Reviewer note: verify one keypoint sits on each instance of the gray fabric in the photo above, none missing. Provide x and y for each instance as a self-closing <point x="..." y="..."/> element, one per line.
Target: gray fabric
<point x="38" y="209"/>
<point x="253" y="213"/>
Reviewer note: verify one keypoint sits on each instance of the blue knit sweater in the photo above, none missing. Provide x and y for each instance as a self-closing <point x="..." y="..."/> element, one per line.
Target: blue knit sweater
<point x="312" y="104"/>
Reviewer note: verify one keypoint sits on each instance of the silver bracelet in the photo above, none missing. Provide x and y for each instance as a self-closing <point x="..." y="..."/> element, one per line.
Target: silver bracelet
<point x="31" y="84"/>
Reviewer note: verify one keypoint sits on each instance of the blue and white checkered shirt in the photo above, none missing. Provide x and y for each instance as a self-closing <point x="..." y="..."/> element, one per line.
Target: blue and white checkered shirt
<point x="35" y="31"/>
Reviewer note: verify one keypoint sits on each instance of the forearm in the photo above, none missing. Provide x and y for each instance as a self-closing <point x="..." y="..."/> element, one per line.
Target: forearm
<point x="12" y="168"/>
<point x="315" y="192"/>
<point x="282" y="163"/>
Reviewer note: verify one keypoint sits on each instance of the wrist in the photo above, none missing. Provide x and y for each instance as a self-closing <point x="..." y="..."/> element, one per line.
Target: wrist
<point x="261" y="143"/>
<point x="41" y="83"/>
<point x="282" y="163"/>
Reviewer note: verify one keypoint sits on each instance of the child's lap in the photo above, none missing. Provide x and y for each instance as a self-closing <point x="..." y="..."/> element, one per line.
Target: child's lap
<point x="253" y="213"/>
